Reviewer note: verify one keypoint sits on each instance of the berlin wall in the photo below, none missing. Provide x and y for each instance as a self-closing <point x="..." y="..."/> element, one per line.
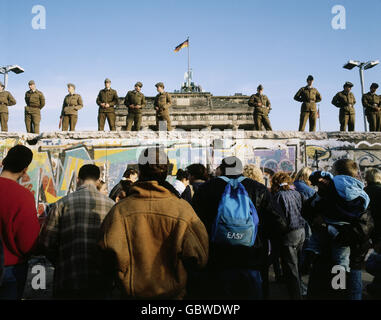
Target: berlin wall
<point x="58" y="156"/>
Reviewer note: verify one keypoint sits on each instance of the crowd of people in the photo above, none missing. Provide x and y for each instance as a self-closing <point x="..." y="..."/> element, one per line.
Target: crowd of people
<point x="201" y="236"/>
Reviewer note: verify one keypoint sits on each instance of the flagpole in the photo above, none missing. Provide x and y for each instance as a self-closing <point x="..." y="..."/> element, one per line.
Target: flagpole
<point x="188" y="65"/>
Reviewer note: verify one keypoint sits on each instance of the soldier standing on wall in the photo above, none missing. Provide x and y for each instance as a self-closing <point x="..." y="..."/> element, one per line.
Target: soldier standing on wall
<point x="345" y="100"/>
<point x="161" y="104"/>
<point x="309" y="96"/>
<point x="262" y="107"/>
<point x="69" y="114"/>
<point x="135" y="102"/>
<point x="371" y="103"/>
<point x="35" y="101"/>
<point x="6" y="100"/>
<point x="107" y="100"/>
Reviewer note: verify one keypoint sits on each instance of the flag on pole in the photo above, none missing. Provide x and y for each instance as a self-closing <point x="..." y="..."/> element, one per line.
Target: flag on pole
<point x="318" y="113"/>
<point x="182" y="45"/>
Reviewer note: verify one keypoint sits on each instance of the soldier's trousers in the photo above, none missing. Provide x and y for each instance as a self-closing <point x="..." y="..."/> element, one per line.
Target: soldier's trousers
<point x="308" y="115"/>
<point x="32" y="122"/>
<point x="163" y="117"/>
<point x="110" y="116"/>
<point x="260" y="119"/>
<point x="69" y="120"/>
<point x="374" y="120"/>
<point x="346" y="120"/>
<point x="4" y="121"/>
<point x="134" y="118"/>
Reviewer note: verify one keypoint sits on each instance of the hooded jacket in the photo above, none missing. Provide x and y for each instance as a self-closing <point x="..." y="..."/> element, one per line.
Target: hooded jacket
<point x="346" y="202"/>
<point x="152" y="239"/>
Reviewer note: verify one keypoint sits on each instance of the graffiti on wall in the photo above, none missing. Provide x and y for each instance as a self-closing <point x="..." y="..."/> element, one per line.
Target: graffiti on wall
<point x="56" y="162"/>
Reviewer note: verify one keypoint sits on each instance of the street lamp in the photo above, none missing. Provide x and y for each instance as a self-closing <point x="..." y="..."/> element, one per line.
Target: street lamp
<point x="14" y="68"/>
<point x="362" y="66"/>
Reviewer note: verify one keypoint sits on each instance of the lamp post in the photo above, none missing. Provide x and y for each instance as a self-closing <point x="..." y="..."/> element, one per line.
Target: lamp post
<point x="5" y="70"/>
<point x="362" y="66"/>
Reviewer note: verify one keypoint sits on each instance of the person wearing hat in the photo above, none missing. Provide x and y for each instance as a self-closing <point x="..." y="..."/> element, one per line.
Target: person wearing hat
<point x="309" y="96"/>
<point x="6" y="100"/>
<point x="345" y="101"/>
<point x="371" y="103"/>
<point x="69" y="114"/>
<point x="107" y="100"/>
<point x="161" y="104"/>
<point x="35" y="101"/>
<point x="135" y="101"/>
<point x="262" y="107"/>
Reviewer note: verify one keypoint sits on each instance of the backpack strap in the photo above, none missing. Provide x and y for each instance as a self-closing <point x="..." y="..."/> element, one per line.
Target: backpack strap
<point x="233" y="182"/>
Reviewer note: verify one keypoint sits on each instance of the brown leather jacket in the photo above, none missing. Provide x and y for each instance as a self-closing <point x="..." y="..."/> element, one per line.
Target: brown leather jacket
<point x="153" y="237"/>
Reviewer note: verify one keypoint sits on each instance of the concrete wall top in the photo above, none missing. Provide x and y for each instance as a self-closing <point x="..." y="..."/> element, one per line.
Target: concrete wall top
<point x="371" y="137"/>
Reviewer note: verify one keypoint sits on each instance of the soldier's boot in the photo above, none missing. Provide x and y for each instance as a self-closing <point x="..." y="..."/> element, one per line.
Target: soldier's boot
<point x="4" y="121"/>
<point x="73" y="122"/>
<point x="351" y="122"/>
<point x="65" y="123"/>
<point x="101" y="121"/>
<point x="343" y="118"/>
<point x="111" y="117"/>
<point x="312" y="120"/>
<point x="138" y="121"/>
<point x="28" y="122"/>
<point x="258" y="122"/>
<point x="303" y="120"/>
<point x="267" y="124"/>
<point x="372" y="121"/>
<point x="130" y="121"/>
<point x="36" y="119"/>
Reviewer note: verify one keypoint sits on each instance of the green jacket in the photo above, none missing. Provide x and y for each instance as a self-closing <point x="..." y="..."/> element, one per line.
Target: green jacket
<point x="135" y="98"/>
<point x="109" y="96"/>
<point x="6" y="100"/>
<point x="71" y="104"/>
<point x="345" y="102"/>
<point x="255" y="99"/>
<point x="309" y="97"/>
<point x="371" y="102"/>
<point x="163" y="102"/>
<point x="35" y="101"/>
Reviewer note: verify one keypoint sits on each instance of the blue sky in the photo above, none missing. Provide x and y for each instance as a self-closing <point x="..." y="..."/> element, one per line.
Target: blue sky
<point x="235" y="45"/>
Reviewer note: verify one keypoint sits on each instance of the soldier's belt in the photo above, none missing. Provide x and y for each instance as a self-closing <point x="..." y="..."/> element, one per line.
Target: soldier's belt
<point x="36" y="107"/>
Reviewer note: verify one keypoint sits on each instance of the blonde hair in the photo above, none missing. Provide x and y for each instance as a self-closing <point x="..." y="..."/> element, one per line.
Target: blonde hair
<point x="253" y="172"/>
<point x="373" y="176"/>
<point x="303" y="175"/>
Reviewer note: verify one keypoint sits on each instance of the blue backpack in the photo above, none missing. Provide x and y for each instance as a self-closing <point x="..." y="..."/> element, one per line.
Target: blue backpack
<point x="237" y="219"/>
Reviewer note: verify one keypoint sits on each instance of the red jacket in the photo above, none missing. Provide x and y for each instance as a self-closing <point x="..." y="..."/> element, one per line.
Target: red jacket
<point x="19" y="227"/>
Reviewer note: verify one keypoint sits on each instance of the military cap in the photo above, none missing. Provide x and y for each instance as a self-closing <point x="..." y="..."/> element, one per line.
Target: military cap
<point x="260" y="87"/>
<point x="310" y="78"/>
<point x="1" y="84"/>
<point x="348" y="84"/>
<point x="70" y="85"/>
<point x="107" y="80"/>
<point x="374" y="85"/>
<point x="159" y="84"/>
<point x="138" y="84"/>
<point x="31" y="82"/>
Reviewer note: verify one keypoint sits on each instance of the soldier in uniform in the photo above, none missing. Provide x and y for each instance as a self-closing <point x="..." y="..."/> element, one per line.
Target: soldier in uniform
<point x="35" y="101"/>
<point x="371" y="103"/>
<point x="71" y="104"/>
<point x="135" y="101"/>
<point x="6" y="100"/>
<point x="162" y="103"/>
<point x="262" y="107"/>
<point x="345" y="100"/>
<point x="107" y="100"/>
<point x="309" y="96"/>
